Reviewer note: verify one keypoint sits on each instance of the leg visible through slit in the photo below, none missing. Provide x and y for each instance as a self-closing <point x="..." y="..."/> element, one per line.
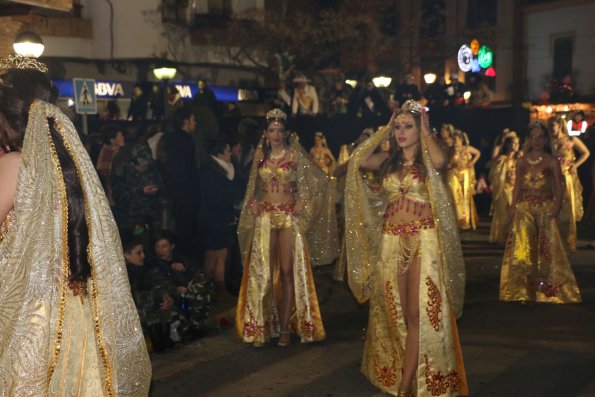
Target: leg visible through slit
<point x="409" y="294"/>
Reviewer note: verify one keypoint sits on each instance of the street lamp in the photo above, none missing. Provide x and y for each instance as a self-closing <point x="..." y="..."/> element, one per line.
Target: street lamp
<point x="429" y="78"/>
<point x="352" y="83"/>
<point x="382" y="81"/>
<point x="164" y="74"/>
<point x="28" y="44"/>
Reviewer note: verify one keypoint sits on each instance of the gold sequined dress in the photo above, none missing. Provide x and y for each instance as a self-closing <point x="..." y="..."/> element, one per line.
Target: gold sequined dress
<point x="535" y="265"/>
<point x="461" y="179"/>
<point x="378" y="251"/>
<point x="314" y="242"/>
<point x="572" y="204"/>
<point x="57" y="339"/>
<point x="502" y="175"/>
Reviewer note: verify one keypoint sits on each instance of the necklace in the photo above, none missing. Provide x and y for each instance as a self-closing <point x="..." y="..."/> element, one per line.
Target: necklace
<point x="408" y="163"/>
<point x="278" y="157"/>
<point x="534" y="162"/>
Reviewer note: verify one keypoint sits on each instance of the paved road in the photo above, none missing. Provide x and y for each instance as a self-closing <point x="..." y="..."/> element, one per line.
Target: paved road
<point x="509" y="350"/>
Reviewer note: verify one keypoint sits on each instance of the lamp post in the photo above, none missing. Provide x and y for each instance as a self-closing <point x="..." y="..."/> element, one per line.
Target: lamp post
<point x="429" y="78"/>
<point x="28" y="44"/>
<point x="164" y="74"/>
<point x="382" y="81"/>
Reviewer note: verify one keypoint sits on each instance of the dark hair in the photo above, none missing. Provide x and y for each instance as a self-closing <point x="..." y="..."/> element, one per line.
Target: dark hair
<point x="129" y="240"/>
<point x="217" y="146"/>
<point x="109" y="132"/>
<point x="166" y="235"/>
<point x="395" y="161"/>
<point x="18" y="90"/>
<point x="181" y="114"/>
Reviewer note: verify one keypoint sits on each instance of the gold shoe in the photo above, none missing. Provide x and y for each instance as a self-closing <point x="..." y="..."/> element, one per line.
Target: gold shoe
<point x="284" y="339"/>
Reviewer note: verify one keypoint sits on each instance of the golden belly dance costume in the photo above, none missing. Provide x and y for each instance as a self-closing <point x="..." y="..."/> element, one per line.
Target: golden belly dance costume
<point x="324" y="162"/>
<point x="58" y="339"/>
<point x="535" y="265"/>
<point x="572" y="203"/>
<point x="502" y="177"/>
<point x="378" y="252"/>
<point x="314" y="234"/>
<point x="461" y="179"/>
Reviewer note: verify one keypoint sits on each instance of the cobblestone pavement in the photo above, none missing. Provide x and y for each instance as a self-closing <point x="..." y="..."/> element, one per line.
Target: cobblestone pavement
<point x="509" y="350"/>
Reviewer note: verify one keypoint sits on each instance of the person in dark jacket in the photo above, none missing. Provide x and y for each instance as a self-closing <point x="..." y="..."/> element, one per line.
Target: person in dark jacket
<point x="181" y="175"/>
<point x="217" y="215"/>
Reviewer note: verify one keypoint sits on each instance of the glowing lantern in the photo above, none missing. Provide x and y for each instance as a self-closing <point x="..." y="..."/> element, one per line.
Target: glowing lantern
<point x="475" y="68"/>
<point x="491" y="72"/>
<point x="485" y="57"/>
<point x="464" y="58"/>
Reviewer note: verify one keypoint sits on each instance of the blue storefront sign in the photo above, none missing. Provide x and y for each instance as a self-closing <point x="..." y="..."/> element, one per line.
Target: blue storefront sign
<point x="106" y="89"/>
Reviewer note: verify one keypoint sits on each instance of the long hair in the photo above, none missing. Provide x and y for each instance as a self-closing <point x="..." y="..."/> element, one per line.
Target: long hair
<point x="394" y="162"/>
<point x="19" y="88"/>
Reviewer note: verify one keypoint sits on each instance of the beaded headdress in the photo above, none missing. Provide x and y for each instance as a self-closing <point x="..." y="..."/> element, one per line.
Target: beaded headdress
<point x="15" y="61"/>
<point x="412" y="106"/>
<point x="276" y="114"/>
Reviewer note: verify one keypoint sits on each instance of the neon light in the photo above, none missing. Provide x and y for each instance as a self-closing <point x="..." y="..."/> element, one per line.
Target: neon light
<point x="491" y="72"/>
<point x="475" y="68"/>
<point x="485" y="57"/>
<point x="464" y="58"/>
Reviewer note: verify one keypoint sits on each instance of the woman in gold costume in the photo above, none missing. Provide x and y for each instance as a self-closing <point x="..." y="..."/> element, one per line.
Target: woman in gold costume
<point x="502" y="173"/>
<point x="415" y="294"/>
<point x="572" y="204"/>
<point x="322" y="154"/>
<point x="286" y="225"/>
<point x="535" y="267"/>
<point x="68" y="325"/>
<point x="461" y="179"/>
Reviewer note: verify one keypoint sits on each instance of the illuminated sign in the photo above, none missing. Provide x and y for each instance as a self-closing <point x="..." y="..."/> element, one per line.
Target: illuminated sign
<point x="465" y="57"/>
<point x="108" y="89"/>
<point x="184" y="90"/>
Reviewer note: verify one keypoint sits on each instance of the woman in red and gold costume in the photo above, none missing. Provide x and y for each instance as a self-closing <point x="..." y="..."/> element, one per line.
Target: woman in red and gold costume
<point x="572" y="203"/>
<point x="461" y="179"/>
<point x="535" y="267"/>
<point x="502" y="173"/>
<point x="68" y="324"/>
<point x="286" y="226"/>
<point x="322" y="154"/>
<point x="412" y="346"/>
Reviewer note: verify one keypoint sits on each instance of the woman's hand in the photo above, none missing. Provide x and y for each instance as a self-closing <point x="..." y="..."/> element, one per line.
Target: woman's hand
<point x="167" y="302"/>
<point x="299" y="208"/>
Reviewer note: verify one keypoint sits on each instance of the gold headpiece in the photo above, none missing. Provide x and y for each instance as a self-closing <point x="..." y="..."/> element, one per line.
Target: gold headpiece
<point x="412" y="106"/>
<point x="276" y="114"/>
<point x="15" y="61"/>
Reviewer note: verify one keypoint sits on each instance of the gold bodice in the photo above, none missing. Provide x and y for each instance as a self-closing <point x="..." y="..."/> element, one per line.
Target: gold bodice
<point x="566" y="157"/>
<point x="461" y="159"/>
<point x="279" y="179"/>
<point x="536" y="184"/>
<point x="411" y="185"/>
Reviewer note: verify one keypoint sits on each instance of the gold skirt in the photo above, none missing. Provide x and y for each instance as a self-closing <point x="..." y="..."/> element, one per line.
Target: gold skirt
<point x="535" y="265"/>
<point x="500" y="225"/>
<point x="257" y="314"/>
<point x="572" y="208"/>
<point x="462" y="186"/>
<point x="440" y="367"/>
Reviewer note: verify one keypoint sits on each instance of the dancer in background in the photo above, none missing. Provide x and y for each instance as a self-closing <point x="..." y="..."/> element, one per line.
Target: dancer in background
<point x="322" y="155"/>
<point x="502" y="174"/>
<point x="69" y="324"/>
<point x="535" y="267"/>
<point x="412" y="346"/>
<point x="572" y="205"/>
<point x="461" y="179"/>
<point x="284" y="228"/>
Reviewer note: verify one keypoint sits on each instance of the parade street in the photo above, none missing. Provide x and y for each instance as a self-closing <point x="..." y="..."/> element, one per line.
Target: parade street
<point x="509" y="349"/>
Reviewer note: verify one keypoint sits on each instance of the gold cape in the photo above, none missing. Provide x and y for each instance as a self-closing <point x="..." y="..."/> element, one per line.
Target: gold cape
<point x="317" y="221"/>
<point x="365" y="209"/>
<point x="502" y="180"/>
<point x="52" y="342"/>
<point x="373" y="258"/>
